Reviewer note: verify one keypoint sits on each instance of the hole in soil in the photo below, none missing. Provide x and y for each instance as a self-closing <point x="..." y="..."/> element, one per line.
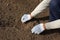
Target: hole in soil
<point x="10" y="9"/>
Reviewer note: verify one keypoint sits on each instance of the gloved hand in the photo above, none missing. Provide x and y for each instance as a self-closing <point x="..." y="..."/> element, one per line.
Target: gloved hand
<point x="38" y="29"/>
<point x="25" y="17"/>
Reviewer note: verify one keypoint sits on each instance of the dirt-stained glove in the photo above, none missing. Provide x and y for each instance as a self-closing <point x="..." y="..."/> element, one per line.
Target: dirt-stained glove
<point x="38" y="29"/>
<point x="25" y="18"/>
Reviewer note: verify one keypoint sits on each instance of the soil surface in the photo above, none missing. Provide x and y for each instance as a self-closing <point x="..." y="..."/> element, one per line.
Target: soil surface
<point x="11" y="27"/>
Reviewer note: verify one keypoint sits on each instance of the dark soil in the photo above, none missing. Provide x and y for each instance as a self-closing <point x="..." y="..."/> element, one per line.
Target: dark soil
<point x="11" y="27"/>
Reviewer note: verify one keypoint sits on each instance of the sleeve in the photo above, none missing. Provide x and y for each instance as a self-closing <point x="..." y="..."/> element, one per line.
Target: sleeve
<point x="40" y="7"/>
<point x="53" y="25"/>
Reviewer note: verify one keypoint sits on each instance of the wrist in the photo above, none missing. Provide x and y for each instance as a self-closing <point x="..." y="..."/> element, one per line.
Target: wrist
<point x="31" y="16"/>
<point x="43" y="27"/>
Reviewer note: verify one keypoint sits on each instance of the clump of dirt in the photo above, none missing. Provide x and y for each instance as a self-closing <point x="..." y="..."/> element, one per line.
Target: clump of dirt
<point x="11" y="27"/>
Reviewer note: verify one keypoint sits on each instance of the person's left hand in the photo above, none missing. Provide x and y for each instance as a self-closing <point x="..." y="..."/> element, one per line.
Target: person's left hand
<point x="38" y="29"/>
<point x="25" y="18"/>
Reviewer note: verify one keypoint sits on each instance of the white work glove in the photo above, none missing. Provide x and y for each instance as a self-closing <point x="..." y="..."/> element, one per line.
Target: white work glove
<point x="25" y="17"/>
<point x="38" y="29"/>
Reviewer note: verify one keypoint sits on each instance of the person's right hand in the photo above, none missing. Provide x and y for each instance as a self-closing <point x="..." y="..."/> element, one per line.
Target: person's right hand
<point x="25" y="18"/>
<point x="38" y="28"/>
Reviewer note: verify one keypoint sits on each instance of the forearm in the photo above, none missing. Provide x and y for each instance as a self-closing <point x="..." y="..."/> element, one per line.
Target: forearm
<point x="40" y="7"/>
<point x="53" y="24"/>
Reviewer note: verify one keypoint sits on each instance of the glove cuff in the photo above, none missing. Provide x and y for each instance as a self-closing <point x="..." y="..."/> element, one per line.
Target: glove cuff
<point x="31" y="16"/>
<point x="42" y="26"/>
